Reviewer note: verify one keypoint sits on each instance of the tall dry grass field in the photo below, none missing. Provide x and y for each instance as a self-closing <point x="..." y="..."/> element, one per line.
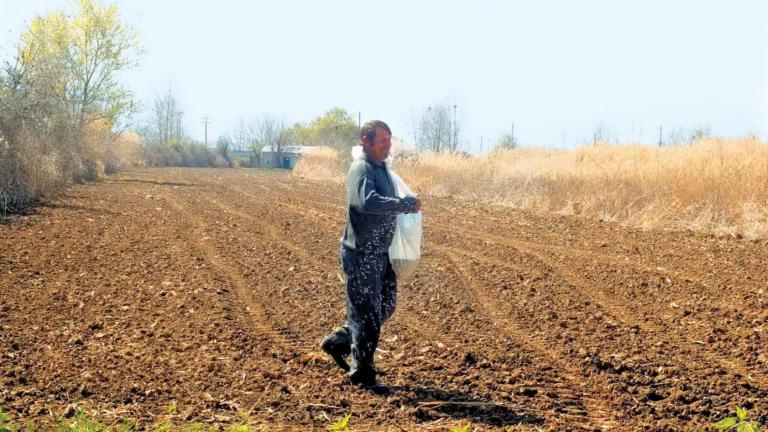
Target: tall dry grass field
<point x="323" y="163"/>
<point x="37" y="163"/>
<point x="711" y="186"/>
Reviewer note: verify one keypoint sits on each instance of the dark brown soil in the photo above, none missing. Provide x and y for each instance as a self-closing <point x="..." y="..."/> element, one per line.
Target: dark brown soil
<point x="211" y="289"/>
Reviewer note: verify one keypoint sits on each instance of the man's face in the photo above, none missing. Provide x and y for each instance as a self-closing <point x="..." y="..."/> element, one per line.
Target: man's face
<point x="378" y="149"/>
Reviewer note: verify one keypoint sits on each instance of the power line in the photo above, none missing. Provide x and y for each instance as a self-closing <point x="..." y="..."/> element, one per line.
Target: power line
<point x="206" y="122"/>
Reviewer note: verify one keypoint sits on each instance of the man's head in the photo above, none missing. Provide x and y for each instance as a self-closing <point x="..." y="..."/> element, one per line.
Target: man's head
<point x="377" y="139"/>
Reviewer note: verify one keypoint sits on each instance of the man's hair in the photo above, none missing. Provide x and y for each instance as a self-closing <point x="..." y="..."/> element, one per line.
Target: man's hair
<point x="369" y="129"/>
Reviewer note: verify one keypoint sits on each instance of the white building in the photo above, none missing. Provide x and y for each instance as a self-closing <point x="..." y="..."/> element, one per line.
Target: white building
<point x="286" y="158"/>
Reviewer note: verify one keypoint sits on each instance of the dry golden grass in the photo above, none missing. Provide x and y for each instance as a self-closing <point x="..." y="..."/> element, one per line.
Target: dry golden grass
<point x="323" y="163"/>
<point x="36" y="165"/>
<point x="712" y="186"/>
<point x="123" y="153"/>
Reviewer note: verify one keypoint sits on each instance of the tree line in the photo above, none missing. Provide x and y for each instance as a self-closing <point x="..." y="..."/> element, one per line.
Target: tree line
<point x="62" y="107"/>
<point x="166" y="143"/>
<point x="437" y="128"/>
<point x="65" y="114"/>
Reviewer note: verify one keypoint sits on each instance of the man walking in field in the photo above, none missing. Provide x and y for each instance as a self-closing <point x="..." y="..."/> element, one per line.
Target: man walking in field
<point x="372" y="206"/>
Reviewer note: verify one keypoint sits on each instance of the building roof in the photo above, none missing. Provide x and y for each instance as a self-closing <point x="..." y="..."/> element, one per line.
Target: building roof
<point x="296" y="149"/>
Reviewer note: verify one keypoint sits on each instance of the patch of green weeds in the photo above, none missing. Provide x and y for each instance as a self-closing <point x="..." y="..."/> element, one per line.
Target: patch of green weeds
<point x="82" y="422"/>
<point x="738" y="423"/>
<point x="341" y="425"/>
<point x="5" y="423"/>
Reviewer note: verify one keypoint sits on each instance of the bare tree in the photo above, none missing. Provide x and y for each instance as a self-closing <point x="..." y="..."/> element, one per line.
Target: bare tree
<point x="166" y="120"/>
<point x="245" y="135"/>
<point x="676" y="137"/>
<point x="273" y="133"/>
<point x="680" y="135"/>
<point x="700" y="132"/>
<point x="601" y="134"/>
<point x="439" y="128"/>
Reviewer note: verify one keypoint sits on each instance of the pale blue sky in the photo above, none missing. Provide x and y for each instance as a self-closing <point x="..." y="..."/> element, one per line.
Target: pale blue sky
<point x="556" y="69"/>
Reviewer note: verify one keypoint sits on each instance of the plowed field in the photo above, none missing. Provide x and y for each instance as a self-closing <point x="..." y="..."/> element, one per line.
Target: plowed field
<point x="212" y="289"/>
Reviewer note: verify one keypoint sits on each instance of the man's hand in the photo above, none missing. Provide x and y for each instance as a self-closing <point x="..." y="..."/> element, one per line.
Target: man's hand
<point x="412" y="204"/>
<point x="417" y="208"/>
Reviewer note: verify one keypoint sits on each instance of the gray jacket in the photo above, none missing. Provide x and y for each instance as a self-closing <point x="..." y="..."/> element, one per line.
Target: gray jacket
<point x="372" y="205"/>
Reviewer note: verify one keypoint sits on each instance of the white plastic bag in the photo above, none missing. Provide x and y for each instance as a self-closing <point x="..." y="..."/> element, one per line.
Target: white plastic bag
<point x="405" y="251"/>
<point x="357" y="152"/>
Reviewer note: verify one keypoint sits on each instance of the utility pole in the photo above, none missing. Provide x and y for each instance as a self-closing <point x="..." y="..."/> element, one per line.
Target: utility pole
<point x="660" y="136"/>
<point x="359" y="120"/>
<point x="481" y="144"/>
<point x="455" y="131"/>
<point x="206" y="122"/>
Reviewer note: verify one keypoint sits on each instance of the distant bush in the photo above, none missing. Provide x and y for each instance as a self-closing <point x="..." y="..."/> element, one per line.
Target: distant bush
<point x="183" y="155"/>
<point x="60" y="103"/>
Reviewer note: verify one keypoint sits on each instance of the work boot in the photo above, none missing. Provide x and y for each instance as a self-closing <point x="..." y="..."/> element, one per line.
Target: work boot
<point x="338" y="348"/>
<point x="378" y="388"/>
<point x="366" y="379"/>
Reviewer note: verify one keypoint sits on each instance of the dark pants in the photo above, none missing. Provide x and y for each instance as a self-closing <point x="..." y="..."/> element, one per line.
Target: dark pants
<point x="371" y="300"/>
